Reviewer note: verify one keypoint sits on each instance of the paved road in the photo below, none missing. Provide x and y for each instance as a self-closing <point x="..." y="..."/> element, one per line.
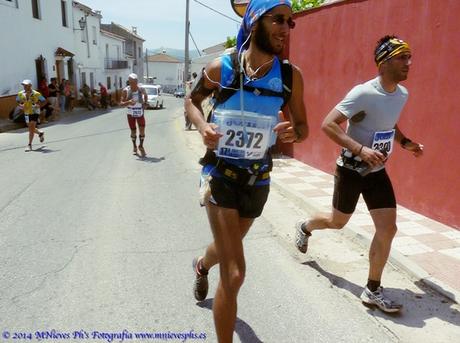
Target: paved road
<point x="94" y="239"/>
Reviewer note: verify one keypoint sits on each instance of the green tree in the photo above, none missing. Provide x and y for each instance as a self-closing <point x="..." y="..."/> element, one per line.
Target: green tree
<point x="231" y="42"/>
<point x="301" y="5"/>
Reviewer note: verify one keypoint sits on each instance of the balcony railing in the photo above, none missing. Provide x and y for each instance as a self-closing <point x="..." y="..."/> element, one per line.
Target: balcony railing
<point x="115" y="64"/>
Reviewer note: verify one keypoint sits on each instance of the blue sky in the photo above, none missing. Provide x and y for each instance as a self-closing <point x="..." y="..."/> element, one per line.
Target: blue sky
<point x="162" y="22"/>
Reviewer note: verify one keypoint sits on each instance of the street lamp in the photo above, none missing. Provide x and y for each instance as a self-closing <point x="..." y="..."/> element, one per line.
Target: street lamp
<point x="81" y="23"/>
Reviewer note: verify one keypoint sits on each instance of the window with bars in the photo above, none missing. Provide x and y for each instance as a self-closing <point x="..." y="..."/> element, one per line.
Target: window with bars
<point x="36" y="9"/>
<point x="64" y="13"/>
<point x="94" y="35"/>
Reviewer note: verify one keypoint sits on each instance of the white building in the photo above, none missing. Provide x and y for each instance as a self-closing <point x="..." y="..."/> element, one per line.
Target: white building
<point x="37" y="40"/>
<point x="62" y="39"/>
<point x="164" y="70"/>
<point x="209" y="55"/>
<point x="87" y="54"/>
<point x="133" y="46"/>
<point x="116" y="64"/>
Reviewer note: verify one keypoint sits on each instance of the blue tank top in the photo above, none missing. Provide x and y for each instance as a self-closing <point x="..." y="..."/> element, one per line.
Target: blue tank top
<point x="265" y="105"/>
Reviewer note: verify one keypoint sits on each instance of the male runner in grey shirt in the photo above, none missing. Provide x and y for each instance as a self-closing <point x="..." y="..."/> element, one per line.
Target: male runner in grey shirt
<point x="372" y="111"/>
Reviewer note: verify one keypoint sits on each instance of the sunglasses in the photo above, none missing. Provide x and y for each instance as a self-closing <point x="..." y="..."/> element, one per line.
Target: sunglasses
<point x="279" y="19"/>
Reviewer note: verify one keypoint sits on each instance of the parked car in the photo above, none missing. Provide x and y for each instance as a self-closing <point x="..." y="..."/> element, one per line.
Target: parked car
<point x="179" y="93"/>
<point x="155" y="99"/>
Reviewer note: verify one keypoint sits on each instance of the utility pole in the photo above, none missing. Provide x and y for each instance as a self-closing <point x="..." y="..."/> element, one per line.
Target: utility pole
<point x="187" y="30"/>
<point x="147" y="63"/>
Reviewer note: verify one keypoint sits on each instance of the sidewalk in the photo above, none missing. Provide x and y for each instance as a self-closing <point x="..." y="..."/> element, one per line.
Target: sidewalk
<point x="8" y="125"/>
<point x="424" y="248"/>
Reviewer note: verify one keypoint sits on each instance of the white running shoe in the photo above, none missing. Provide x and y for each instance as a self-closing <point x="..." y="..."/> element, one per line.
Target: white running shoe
<point x="378" y="299"/>
<point x="28" y="148"/>
<point x="41" y="135"/>
<point x="301" y="238"/>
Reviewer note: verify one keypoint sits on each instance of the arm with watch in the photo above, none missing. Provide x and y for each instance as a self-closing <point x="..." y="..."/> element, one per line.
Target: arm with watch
<point x="407" y="144"/>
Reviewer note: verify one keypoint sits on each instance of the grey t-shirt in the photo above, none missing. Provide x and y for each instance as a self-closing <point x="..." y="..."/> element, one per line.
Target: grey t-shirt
<point x="371" y="109"/>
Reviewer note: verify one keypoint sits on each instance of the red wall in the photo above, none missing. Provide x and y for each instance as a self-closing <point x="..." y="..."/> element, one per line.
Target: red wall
<point x="333" y="46"/>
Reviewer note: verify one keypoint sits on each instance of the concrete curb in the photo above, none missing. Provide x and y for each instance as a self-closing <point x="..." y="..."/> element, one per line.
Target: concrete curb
<point x="7" y="125"/>
<point x="353" y="234"/>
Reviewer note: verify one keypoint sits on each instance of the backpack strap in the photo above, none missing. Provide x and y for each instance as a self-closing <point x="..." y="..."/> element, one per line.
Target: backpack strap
<point x="223" y="94"/>
<point x="140" y="93"/>
<point x="129" y="93"/>
<point x="286" y="76"/>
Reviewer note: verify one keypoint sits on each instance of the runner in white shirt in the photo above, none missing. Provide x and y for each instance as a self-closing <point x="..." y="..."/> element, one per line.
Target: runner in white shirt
<point x="372" y="111"/>
<point x="135" y="98"/>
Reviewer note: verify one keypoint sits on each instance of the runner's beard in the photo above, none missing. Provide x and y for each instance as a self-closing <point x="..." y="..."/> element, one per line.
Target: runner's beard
<point x="262" y="40"/>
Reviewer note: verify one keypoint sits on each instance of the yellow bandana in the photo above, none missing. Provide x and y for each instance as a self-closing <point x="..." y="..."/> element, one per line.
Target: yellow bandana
<point x="389" y="49"/>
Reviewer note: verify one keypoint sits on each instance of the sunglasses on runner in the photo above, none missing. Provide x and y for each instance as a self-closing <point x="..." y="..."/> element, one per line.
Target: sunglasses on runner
<point x="279" y="19"/>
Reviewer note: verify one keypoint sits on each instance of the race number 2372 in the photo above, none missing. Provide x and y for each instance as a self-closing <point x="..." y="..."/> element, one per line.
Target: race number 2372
<point x="237" y="139"/>
<point x="246" y="137"/>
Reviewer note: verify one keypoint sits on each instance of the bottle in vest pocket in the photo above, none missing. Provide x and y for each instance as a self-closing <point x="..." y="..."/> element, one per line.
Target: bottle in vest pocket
<point x="365" y="169"/>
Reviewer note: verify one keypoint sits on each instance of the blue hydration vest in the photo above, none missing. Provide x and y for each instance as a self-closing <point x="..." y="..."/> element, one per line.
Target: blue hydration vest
<point x="267" y="105"/>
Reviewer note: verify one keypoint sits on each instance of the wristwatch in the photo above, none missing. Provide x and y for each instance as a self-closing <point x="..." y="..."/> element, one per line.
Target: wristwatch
<point x="404" y="141"/>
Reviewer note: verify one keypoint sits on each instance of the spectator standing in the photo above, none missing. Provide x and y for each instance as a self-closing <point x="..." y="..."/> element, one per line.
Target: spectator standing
<point x="62" y="95"/>
<point x="104" y="95"/>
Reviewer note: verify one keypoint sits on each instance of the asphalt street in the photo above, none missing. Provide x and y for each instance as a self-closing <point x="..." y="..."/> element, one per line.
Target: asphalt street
<point x="95" y="241"/>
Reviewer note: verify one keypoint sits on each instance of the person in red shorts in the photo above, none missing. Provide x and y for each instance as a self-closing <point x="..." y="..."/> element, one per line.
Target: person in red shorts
<point x="135" y="98"/>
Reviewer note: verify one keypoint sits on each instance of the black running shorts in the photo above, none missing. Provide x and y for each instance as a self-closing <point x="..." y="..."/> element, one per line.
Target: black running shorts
<point x="31" y="117"/>
<point x="248" y="200"/>
<point x="375" y="187"/>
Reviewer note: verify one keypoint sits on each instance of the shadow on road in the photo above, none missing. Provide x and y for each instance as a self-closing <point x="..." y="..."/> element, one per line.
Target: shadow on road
<point x="71" y="138"/>
<point x="148" y="159"/>
<point x="44" y="150"/>
<point x="81" y="114"/>
<point x="242" y="329"/>
<point x="418" y="307"/>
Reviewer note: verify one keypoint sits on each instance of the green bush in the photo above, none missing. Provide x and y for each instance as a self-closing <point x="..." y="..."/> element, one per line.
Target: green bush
<point x="231" y="42"/>
<point x="301" y="5"/>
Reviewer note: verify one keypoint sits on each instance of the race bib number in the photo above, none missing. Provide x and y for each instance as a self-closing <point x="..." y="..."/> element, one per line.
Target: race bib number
<point x="136" y="111"/>
<point x="383" y="140"/>
<point x="245" y="136"/>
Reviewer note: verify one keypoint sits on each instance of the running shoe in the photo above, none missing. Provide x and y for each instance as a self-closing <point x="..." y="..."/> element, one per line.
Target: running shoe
<point x="301" y="238"/>
<point x="41" y="135"/>
<point x="200" y="287"/>
<point x="378" y="299"/>
<point x="28" y="148"/>
<point x="142" y="151"/>
<point x="134" y="151"/>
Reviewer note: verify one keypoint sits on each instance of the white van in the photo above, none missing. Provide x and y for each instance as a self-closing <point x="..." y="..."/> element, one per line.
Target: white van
<point x="155" y="98"/>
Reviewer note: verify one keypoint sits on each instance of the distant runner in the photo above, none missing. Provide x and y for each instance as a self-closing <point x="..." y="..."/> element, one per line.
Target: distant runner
<point x="30" y="101"/>
<point x="135" y="98"/>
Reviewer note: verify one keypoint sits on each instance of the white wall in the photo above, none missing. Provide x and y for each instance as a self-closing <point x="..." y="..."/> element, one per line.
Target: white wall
<point x="167" y="74"/>
<point x="115" y="52"/>
<point x="139" y="67"/>
<point x="24" y="38"/>
<point x="199" y="63"/>
<point x="88" y="57"/>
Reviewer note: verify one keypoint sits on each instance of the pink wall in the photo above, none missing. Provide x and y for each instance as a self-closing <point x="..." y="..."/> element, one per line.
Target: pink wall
<point x="333" y="46"/>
